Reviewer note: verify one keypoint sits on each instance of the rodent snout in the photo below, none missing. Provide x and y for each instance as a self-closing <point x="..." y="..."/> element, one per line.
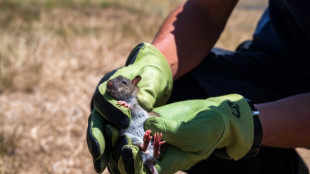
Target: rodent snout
<point x="109" y="84"/>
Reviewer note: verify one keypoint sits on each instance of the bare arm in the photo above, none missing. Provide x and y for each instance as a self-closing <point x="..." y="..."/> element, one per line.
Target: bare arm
<point x="187" y="36"/>
<point x="190" y="31"/>
<point x="286" y="122"/>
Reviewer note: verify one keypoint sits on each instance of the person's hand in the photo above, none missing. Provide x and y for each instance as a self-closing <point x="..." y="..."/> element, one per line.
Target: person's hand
<point x="154" y="89"/>
<point x="194" y="130"/>
<point x="107" y="117"/>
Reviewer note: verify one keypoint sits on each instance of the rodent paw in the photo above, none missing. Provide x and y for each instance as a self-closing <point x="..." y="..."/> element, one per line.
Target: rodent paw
<point x="123" y="103"/>
<point x="146" y="140"/>
<point x="157" y="143"/>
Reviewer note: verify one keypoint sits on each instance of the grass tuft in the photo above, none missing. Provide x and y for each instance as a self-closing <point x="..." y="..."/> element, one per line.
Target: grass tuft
<point x="9" y="141"/>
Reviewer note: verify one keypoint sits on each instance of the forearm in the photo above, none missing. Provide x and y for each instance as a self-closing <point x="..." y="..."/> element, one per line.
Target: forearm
<point x="190" y="31"/>
<point x="286" y="122"/>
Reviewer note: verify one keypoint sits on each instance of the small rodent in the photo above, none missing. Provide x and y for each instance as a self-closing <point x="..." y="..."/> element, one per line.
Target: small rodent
<point x="125" y="92"/>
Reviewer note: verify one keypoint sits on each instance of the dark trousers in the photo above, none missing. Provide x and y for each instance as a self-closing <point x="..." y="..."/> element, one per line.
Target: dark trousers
<point x="258" y="76"/>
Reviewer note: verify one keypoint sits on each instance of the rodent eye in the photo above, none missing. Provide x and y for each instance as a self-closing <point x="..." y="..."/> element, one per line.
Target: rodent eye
<point x="124" y="82"/>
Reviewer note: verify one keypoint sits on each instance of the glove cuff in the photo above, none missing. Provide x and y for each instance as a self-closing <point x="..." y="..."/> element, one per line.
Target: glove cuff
<point x="258" y="132"/>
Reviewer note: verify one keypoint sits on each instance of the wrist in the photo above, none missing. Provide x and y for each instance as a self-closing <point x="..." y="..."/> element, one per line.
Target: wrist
<point x="170" y="53"/>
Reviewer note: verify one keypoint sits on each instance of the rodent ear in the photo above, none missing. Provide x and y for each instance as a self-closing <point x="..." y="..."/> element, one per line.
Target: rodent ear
<point x="136" y="80"/>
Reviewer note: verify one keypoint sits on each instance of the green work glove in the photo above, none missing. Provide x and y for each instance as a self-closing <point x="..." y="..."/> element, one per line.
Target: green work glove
<point x="154" y="90"/>
<point x="98" y="142"/>
<point x="227" y="126"/>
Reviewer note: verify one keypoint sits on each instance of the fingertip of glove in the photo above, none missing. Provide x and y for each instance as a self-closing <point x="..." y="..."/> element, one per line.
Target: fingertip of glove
<point x="99" y="165"/>
<point x="92" y="143"/>
<point x="146" y="101"/>
<point x="153" y="122"/>
<point x="93" y="147"/>
<point x="128" y="160"/>
<point x="112" y="134"/>
<point x="152" y="119"/>
<point x="103" y="79"/>
<point x="117" y="150"/>
<point x="102" y="163"/>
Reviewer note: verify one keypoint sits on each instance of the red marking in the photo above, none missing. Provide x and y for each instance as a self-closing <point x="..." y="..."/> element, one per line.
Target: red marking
<point x="157" y="143"/>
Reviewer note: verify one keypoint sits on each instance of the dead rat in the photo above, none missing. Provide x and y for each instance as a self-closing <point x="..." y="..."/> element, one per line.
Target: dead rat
<point x="125" y="92"/>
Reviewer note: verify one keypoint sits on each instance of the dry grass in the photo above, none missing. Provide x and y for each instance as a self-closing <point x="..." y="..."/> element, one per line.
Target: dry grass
<point x="52" y="54"/>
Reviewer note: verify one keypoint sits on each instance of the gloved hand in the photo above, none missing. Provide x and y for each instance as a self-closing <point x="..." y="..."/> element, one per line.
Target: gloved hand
<point x="195" y="129"/>
<point x="154" y="90"/>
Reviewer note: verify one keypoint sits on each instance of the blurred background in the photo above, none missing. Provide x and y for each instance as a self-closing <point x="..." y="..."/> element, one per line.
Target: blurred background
<point x="52" y="55"/>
